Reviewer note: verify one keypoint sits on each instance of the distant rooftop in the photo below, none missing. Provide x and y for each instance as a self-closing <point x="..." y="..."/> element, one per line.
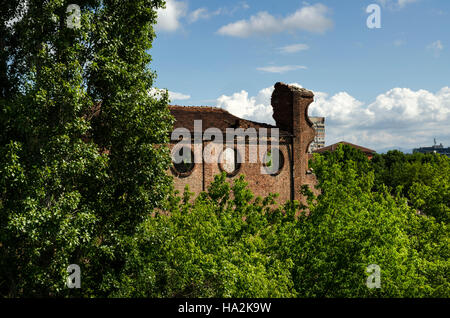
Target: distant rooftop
<point x="333" y="147"/>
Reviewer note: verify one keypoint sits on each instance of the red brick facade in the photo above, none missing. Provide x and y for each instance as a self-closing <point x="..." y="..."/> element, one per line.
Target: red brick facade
<point x="290" y="111"/>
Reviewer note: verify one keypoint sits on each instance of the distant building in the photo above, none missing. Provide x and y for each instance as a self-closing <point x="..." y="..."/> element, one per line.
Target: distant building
<point x="319" y="139"/>
<point x="434" y="149"/>
<point x="368" y="152"/>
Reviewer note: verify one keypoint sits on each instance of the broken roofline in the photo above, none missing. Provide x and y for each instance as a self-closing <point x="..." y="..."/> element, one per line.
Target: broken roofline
<point x="215" y="117"/>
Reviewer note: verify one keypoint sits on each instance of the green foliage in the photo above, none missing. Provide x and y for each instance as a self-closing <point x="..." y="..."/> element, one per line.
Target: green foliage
<point x="82" y="181"/>
<point x="226" y="243"/>
<point x="424" y="179"/>
<point x="353" y="226"/>
<point x="74" y="187"/>
<point x="213" y="246"/>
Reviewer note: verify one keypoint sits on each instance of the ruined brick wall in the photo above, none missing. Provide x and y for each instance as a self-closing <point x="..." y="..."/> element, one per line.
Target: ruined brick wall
<point x="290" y="106"/>
<point x="290" y="111"/>
<point x="261" y="184"/>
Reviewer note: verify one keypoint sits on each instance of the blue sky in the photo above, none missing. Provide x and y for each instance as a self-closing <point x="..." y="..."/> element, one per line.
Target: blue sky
<point x="384" y="87"/>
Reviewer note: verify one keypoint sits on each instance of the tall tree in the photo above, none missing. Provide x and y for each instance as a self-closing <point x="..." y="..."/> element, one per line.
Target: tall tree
<point x="81" y="155"/>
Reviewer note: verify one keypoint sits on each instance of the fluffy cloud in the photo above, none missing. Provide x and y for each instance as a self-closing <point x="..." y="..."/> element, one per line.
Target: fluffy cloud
<point x="400" y="117"/>
<point x="280" y="69"/>
<point x="403" y="106"/>
<point x="255" y="108"/>
<point x="312" y="18"/>
<point x="169" y="18"/>
<point x="340" y="109"/>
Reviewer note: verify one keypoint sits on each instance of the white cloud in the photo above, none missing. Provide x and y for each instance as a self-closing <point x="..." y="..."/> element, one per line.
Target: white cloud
<point x="254" y="108"/>
<point x="312" y="18"/>
<point x="157" y="93"/>
<point x="293" y="48"/>
<point x="280" y="69"/>
<point x="436" y="48"/>
<point x="341" y="108"/>
<point x="169" y="18"/>
<point x="395" y="4"/>
<point x="262" y="23"/>
<point x="178" y="96"/>
<point x="201" y="13"/>
<point x="403" y="106"/>
<point x="257" y="108"/>
<point x="399" y="117"/>
<point x="204" y="13"/>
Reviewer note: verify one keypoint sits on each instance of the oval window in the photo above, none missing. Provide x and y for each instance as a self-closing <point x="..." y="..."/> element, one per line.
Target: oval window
<point x="184" y="166"/>
<point x="271" y="166"/>
<point x="229" y="162"/>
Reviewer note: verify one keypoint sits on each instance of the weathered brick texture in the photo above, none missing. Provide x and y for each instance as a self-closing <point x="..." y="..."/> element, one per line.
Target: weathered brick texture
<point x="290" y="111"/>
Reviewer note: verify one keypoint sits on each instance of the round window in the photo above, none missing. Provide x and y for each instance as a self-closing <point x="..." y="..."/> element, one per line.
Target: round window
<point x="271" y="166"/>
<point x="184" y="165"/>
<point x="229" y="161"/>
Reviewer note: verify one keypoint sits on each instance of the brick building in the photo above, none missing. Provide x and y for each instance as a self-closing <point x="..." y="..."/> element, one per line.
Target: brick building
<point x="290" y="111"/>
<point x="368" y="152"/>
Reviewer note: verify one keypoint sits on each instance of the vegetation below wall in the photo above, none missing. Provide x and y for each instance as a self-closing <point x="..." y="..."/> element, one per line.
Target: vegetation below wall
<point x="226" y="243"/>
<point x="223" y="245"/>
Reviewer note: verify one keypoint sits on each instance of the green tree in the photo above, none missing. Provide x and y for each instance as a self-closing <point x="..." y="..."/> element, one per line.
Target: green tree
<point x="433" y="197"/>
<point x="350" y="226"/>
<point x="396" y="169"/>
<point x="81" y="155"/>
<point x="422" y="178"/>
<point x="227" y="243"/>
<point x="218" y="245"/>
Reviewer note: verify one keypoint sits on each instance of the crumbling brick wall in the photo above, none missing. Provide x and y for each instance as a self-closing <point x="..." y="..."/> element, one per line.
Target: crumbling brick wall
<point x="290" y="111"/>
